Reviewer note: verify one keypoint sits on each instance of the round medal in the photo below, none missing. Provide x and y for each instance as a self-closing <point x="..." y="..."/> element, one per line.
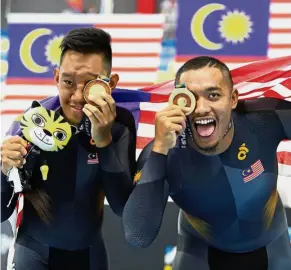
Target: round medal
<point x="95" y="88"/>
<point x="182" y="97"/>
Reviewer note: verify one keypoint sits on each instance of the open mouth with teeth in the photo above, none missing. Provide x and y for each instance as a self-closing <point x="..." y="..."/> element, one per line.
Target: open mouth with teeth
<point x="205" y="127"/>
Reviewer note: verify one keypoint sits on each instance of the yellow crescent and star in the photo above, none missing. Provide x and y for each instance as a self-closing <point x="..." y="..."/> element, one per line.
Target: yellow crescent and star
<point x="234" y="27"/>
<point x="246" y="172"/>
<point x="52" y="50"/>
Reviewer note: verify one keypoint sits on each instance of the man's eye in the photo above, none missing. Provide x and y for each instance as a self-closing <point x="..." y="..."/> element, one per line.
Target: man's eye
<point x="214" y="96"/>
<point x="68" y="82"/>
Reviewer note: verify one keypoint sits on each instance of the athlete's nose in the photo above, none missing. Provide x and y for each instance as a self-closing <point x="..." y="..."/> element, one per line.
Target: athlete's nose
<point x="78" y="96"/>
<point x="202" y="107"/>
<point x="46" y="132"/>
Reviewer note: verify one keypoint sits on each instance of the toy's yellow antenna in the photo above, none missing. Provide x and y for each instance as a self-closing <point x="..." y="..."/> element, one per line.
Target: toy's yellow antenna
<point x="44" y="171"/>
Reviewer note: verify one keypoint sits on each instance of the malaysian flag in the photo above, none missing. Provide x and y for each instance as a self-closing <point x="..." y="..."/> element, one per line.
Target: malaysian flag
<point x="93" y="158"/>
<point x="237" y="32"/>
<point x="34" y="52"/>
<point x="254" y="171"/>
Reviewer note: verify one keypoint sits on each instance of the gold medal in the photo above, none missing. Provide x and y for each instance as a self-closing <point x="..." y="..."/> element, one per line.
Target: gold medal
<point x="182" y="97"/>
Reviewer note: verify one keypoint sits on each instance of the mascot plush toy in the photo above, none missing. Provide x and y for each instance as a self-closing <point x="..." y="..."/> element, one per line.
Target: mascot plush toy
<point x="44" y="130"/>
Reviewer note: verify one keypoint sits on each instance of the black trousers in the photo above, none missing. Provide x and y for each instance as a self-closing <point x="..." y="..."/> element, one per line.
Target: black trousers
<point x="32" y="255"/>
<point x="195" y="254"/>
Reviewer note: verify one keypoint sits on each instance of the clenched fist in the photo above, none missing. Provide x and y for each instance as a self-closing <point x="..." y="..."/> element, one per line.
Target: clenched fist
<point x="13" y="150"/>
<point x="169" y="124"/>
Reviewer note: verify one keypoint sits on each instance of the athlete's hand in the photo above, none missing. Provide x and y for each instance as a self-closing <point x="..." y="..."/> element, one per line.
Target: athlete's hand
<point x="102" y="117"/>
<point x="169" y="124"/>
<point x="13" y="149"/>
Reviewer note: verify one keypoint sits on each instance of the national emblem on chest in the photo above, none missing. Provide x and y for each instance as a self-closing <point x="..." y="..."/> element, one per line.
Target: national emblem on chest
<point x="93" y="158"/>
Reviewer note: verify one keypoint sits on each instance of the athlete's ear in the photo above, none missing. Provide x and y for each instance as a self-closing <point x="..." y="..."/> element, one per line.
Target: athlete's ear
<point x="114" y="78"/>
<point x="234" y="98"/>
<point x="57" y="75"/>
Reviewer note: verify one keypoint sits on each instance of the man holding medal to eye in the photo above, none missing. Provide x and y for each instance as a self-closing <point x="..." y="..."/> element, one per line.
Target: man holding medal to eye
<point x="98" y="161"/>
<point x="216" y="158"/>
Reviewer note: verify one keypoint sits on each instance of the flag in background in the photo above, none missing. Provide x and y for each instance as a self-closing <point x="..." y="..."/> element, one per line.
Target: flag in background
<point x="234" y="31"/>
<point x="136" y="45"/>
<point x="34" y="52"/>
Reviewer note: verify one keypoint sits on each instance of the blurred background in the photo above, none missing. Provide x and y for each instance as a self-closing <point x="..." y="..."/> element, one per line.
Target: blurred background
<point x="150" y="40"/>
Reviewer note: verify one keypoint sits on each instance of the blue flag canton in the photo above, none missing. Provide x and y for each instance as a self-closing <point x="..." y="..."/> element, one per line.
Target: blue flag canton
<point x="228" y="28"/>
<point x="35" y="48"/>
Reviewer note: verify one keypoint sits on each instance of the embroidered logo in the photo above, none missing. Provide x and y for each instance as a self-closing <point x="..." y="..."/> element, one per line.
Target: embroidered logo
<point x="243" y="150"/>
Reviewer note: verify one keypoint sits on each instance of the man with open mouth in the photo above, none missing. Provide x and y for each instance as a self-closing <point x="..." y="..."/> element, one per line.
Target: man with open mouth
<point x="223" y="176"/>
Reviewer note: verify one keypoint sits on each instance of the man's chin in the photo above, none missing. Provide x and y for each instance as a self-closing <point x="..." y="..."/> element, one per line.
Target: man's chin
<point x="72" y="117"/>
<point x="207" y="148"/>
<point x="74" y="120"/>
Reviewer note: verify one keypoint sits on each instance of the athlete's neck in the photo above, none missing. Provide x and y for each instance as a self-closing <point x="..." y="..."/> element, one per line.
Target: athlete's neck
<point x="226" y="141"/>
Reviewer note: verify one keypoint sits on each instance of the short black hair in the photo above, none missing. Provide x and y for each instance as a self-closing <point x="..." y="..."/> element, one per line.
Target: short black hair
<point x="201" y="62"/>
<point x="88" y="40"/>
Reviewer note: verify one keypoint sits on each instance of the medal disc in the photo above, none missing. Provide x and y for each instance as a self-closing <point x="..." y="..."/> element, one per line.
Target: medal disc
<point x="95" y="88"/>
<point x="182" y="97"/>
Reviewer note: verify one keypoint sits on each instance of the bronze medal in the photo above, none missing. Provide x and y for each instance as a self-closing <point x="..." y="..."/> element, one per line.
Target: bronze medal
<point x="95" y="88"/>
<point x="182" y="97"/>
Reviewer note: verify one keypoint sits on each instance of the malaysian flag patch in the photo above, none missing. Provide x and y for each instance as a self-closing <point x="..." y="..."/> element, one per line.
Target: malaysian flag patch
<point x="93" y="158"/>
<point x="254" y="171"/>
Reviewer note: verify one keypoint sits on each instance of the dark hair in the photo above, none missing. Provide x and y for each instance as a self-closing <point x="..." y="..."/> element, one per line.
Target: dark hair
<point x="88" y="40"/>
<point x="201" y="62"/>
